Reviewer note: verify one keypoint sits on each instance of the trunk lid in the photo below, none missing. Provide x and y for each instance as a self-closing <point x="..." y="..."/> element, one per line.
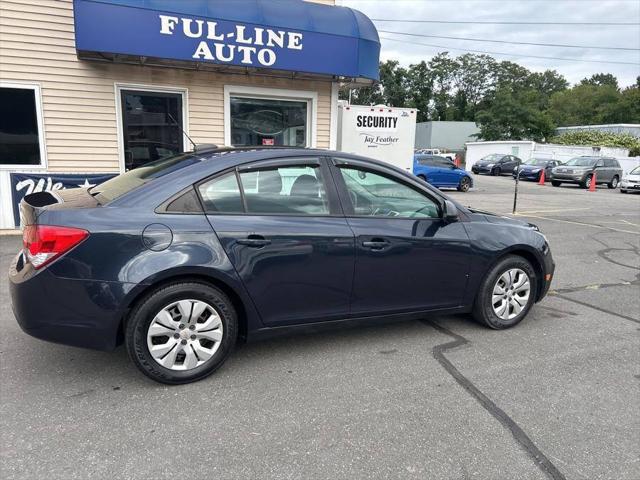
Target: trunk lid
<point x="33" y="206"/>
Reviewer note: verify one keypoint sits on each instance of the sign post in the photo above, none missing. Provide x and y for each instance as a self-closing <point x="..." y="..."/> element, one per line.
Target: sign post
<point x="515" y="192"/>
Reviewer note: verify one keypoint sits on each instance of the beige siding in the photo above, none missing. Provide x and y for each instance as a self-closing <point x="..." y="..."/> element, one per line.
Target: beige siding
<point x="79" y="104"/>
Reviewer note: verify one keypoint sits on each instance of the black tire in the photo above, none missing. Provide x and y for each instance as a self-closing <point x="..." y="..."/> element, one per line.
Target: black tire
<point x="623" y="191"/>
<point x="496" y="172"/>
<point x="483" y="309"/>
<point x="143" y="313"/>
<point x="423" y="177"/>
<point x="464" y="185"/>
<point x="587" y="181"/>
<point x="614" y="182"/>
<point x="555" y="183"/>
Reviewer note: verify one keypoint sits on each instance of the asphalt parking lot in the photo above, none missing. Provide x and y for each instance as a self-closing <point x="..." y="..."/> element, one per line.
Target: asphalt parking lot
<point x="557" y="397"/>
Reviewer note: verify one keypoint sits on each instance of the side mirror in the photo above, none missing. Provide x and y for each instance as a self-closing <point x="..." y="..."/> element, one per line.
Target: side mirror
<point x="450" y="211"/>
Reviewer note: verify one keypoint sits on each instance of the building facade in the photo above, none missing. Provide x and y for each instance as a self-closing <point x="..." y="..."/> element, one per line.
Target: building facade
<point x="91" y="88"/>
<point x="445" y="135"/>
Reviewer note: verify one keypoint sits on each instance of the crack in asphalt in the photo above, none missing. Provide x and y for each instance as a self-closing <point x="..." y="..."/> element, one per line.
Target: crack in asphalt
<point x="602" y="253"/>
<point x="595" y="286"/>
<point x="603" y="310"/>
<point x="523" y="440"/>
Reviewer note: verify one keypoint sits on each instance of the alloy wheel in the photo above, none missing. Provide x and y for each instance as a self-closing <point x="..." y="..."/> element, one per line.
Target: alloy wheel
<point x="184" y="334"/>
<point x="511" y="293"/>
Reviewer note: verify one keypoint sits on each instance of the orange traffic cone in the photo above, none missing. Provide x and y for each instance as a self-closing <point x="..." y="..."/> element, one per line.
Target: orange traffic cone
<point x="592" y="185"/>
<point x="541" y="181"/>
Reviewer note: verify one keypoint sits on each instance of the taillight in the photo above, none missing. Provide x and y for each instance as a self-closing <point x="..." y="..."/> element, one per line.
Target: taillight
<point x="44" y="243"/>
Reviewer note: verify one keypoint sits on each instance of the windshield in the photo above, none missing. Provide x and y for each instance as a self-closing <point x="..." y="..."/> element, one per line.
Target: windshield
<point x="494" y="157"/>
<point x="582" y="162"/>
<point x="540" y="162"/>
<point x="635" y="171"/>
<point x="118" y="186"/>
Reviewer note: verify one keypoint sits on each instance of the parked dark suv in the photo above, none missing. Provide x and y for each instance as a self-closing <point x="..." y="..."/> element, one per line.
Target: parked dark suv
<point x="181" y="257"/>
<point x="581" y="170"/>
<point x="496" y="164"/>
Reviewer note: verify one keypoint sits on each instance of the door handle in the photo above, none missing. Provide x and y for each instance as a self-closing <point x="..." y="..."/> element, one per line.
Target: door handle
<point x="376" y="244"/>
<point x="254" y="241"/>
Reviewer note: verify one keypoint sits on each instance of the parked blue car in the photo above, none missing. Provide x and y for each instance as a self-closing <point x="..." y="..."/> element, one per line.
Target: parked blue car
<point x="441" y="172"/>
<point x="182" y="257"/>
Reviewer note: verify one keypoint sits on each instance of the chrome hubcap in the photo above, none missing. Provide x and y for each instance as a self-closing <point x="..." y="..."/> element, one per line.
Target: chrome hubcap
<point x="184" y="334"/>
<point x="511" y="293"/>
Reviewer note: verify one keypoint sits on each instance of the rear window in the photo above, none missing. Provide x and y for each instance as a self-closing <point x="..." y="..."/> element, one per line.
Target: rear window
<point x="122" y="184"/>
<point x="611" y="162"/>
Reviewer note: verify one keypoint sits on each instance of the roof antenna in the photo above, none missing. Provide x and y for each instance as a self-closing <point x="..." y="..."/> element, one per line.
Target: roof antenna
<point x="182" y="130"/>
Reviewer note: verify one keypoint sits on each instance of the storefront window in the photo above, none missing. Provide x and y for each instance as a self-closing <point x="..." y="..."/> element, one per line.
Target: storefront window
<point x="19" y="132"/>
<point x="256" y="121"/>
<point x="152" y="125"/>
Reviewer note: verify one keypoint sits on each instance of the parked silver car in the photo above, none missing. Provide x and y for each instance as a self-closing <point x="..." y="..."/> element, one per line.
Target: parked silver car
<point x="631" y="181"/>
<point x="581" y="170"/>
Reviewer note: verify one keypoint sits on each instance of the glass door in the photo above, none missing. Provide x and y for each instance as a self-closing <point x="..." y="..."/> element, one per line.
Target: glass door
<point x="152" y="126"/>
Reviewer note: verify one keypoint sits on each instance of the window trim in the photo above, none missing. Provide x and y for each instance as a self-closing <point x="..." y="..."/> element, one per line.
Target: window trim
<point x="260" y="93"/>
<point x="37" y="93"/>
<point x="119" y="87"/>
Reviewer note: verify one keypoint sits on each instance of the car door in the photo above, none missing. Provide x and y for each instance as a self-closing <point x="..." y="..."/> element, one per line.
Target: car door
<point x="610" y="165"/>
<point x="281" y="225"/>
<point x="408" y="258"/>
<point x="440" y="174"/>
<point x="450" y="174"/>
<point x="509" y="164"/>
<point x="602" y="172"/>
<point x="548" y="167"/>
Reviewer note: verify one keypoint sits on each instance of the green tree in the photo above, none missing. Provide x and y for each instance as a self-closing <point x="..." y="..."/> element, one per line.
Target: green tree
<point x="585" y="104"/>
<point x="441" y="68"/>
<point x="420" y="90"/>
<point x="473" y="78"/>
<point x="600" y="79"/>
<point x="514" y="115"/>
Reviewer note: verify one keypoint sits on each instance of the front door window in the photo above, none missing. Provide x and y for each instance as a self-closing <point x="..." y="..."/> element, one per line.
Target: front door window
<point x="152" y="126"/>
<point x="267" y="122"/>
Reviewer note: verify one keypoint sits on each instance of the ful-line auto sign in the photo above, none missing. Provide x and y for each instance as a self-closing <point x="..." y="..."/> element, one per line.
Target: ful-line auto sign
<point x="216" y="32"/>
<point x="251" y="44"/>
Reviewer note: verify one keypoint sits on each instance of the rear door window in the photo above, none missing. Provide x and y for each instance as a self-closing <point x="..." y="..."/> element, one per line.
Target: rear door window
<point x="222" y="194"/>
<point x="290" y="190"/>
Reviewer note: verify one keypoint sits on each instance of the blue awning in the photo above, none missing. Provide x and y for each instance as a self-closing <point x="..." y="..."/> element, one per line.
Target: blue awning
<point x="282" y="35"/>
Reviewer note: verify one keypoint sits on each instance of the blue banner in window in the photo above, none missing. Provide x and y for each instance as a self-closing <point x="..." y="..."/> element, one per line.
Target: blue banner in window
<point x="23" y="184"/>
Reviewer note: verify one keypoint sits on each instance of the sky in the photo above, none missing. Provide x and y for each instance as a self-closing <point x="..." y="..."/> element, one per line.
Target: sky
<point x="588" y="11"/>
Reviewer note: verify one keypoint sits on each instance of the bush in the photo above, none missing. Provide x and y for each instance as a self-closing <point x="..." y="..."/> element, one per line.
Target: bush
<point x="598" y="138"/>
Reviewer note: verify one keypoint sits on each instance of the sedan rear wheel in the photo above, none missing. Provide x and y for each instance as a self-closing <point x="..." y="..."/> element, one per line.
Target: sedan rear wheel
<point x="182" y="332"/>
<point x="506" y="294"/>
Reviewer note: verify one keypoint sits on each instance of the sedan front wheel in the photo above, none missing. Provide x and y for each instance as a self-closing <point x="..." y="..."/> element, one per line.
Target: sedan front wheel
<point x="506" y="294"/>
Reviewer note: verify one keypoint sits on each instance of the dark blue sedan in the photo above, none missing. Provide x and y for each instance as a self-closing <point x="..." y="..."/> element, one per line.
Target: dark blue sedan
<point x="441" y="172"/>
<point x="532" y="169"/>
<point x="181" y="258"/>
